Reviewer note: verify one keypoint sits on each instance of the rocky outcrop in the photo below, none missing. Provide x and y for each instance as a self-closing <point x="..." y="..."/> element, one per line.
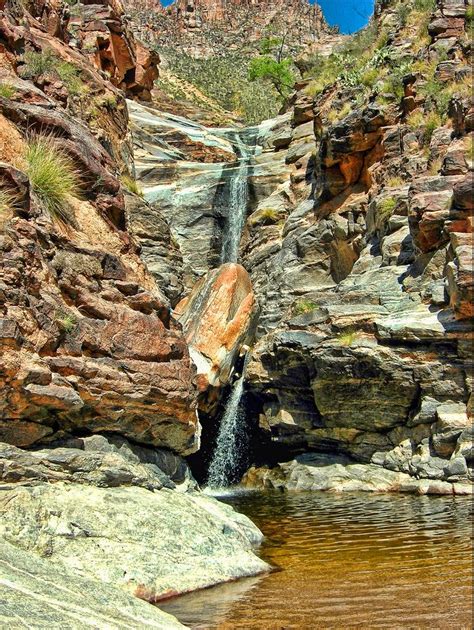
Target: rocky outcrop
<point x="362" y="266"/>
<point x="217" y="319"/>
<point x="338" y="474"/>
<point x="88" y="344"/>
<point x="98" y="461"/>
<point x="102" y="33"/>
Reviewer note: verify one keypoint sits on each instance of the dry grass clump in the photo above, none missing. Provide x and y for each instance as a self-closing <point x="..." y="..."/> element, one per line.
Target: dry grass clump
<point x="53" y="176"/>
<point x="348" y="337"/>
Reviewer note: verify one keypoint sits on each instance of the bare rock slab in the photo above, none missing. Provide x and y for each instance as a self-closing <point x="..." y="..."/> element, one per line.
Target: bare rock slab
<point x="150" y="544"/>
<point x="35" y="593"/>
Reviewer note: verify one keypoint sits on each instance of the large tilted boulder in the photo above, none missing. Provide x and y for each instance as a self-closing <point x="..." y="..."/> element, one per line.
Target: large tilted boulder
<point x="217" y="319"/>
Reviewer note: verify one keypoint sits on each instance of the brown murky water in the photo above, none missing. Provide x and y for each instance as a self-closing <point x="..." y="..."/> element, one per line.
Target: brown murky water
<point x="347" y="561"/>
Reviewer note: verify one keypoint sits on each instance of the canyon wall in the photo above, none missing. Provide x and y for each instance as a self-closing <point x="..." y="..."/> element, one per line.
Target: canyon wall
<point x="99" y="392"/>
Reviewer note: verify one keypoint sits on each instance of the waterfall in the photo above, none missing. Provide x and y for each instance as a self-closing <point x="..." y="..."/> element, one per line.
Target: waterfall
<point x="227" y="453"/>
<point x="238" y="201"/>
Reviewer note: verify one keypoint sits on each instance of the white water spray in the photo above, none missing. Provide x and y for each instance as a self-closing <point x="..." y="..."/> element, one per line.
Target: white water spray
<point x="238" y="202"/>
<point x="227" y="454"/>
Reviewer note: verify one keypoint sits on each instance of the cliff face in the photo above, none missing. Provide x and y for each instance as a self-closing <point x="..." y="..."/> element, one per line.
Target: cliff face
<point x="358" y="244"/>
<point x="203" y="24"/>
<point x="87" y="341"/>
<point x="99" y="392"/>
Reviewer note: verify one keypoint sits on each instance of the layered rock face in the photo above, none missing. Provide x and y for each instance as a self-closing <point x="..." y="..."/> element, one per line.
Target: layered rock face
<point x="363" y="270"/>
<point x="87" y="341"/>
<point x="99" y="29"/>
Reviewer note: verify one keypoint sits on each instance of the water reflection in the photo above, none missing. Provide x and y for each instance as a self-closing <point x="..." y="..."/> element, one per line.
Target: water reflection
<point x="351" y="560"/>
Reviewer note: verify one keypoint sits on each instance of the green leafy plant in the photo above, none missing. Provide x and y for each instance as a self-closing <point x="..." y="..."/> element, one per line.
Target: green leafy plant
<point x="279" y="73"/>
<point x="53" y="176"/>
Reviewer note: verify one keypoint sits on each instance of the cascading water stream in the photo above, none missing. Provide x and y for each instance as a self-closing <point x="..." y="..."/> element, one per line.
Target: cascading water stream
<point x="227" y="454"/>
<point x="238" y="201"/>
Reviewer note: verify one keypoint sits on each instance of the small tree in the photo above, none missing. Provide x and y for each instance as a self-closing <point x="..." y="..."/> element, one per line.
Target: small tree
<point x="279" y="73"/>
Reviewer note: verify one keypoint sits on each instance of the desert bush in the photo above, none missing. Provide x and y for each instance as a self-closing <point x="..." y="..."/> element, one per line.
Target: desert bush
<point x="67" y="322"/>
<point x="303" y="306"/>
<point x="386" y="207"/>
<point x="39" y="63"/>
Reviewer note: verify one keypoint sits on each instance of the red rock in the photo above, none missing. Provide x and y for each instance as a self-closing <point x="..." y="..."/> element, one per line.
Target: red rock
<point x="217" y="318"/>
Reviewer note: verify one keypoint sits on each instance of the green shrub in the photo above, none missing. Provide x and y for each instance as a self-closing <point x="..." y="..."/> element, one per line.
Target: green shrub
<point x="402" y="12"/>
<point x="70" y="76"/>
<point x="303" y="306"/>
<point x="432" y="122"/>
<point x="424" y="5"/>
<point x="39" y="63"/>
<point x="7" y="90"/>
<point x="279" y="73"/>
<point x="470" y="15"/>
<point x="53" y="176"/>
<point x="131" y="185"/>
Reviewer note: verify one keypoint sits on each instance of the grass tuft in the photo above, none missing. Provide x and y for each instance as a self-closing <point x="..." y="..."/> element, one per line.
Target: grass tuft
<point x="303" y="306"/>
<point x="53" y="176"/>
<point x="7" y="90"/>
<point x="67" y="322"/>
<point x="347" y="337"/>
<point x="46" y="63"/>
<point x="386" y="207"/>
<point x="131" y="185"/>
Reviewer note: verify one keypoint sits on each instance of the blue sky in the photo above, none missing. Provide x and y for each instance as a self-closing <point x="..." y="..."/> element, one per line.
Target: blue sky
<point x="349" y="15"/>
